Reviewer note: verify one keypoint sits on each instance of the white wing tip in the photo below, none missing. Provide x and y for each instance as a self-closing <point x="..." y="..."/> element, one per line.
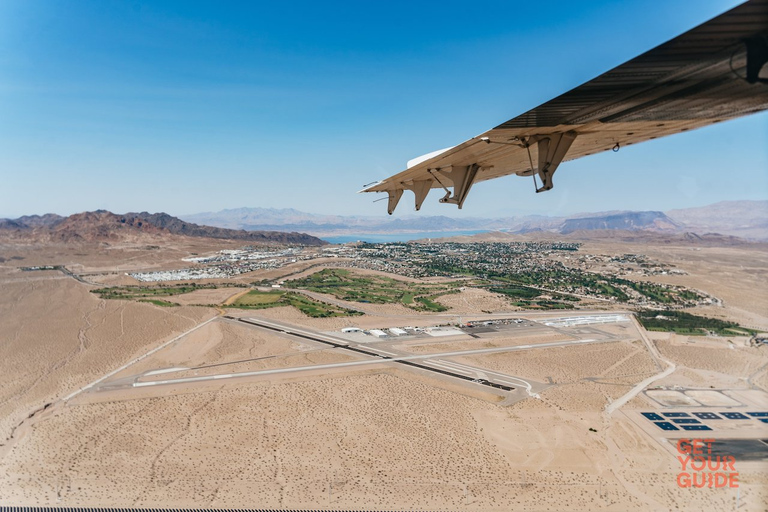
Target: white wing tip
<point x="368" y="188"/>
<point x="424" y="158"/>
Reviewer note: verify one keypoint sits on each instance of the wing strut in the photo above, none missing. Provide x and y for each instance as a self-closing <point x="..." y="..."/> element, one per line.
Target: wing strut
<point x="394" y="198"/>
<point x="420" y="190"/>
<point x="552" y="150"/>
<point x="462" y="176"/>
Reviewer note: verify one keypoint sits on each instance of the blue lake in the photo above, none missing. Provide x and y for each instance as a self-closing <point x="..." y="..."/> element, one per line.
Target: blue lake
<point x="397" y="237"/>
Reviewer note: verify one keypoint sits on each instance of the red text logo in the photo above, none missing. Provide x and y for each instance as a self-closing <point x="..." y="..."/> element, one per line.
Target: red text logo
<point x="699" y="468"/>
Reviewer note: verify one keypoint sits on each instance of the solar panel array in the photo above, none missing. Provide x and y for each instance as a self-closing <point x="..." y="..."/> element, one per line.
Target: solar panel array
<point x="692" y="421"/>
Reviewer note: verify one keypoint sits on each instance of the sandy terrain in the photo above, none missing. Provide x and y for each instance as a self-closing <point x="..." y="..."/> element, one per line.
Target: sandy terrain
<point x="379" y="437"/>
<point x="738" y="362"/>
<point x="57" y="337"/>
<point x="112" y="279"/>
<point x="346" y="442"/>
<point x="703" y="362"/>
<point x="379" y="440"/>
<point x="557" y="364"/>
<point x="736" y="275"/>
<point x="586" y="377"/>
<point x="423" y="346"/>
<point x="224" y="342"/>
<point x="226" y="347"/>
<point x="472" y="300"/>
<point x="113" y="258"/>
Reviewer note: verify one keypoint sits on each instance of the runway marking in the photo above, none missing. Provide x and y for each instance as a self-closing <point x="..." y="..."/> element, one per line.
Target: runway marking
<point x="459" y="367"/>
<point x="446" y="367"/>
<point x="165" y="370"/>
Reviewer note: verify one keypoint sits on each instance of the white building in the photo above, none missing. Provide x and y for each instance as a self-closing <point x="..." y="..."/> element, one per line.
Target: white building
<point x="351" y="329"/>
<point x="584" y="320"/>
<point x="377" y="333"/>
<point x="397" y="331"/>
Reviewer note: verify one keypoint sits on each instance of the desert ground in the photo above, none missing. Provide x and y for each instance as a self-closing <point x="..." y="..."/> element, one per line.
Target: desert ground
<point x="376" y="436"/>
<point x="736" y="275"/>
<point x="57" y="337"/>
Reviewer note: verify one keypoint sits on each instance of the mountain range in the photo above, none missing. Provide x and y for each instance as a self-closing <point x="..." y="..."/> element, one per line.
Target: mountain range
<point x="745" y="219"/>
<point x="102" y="225"/>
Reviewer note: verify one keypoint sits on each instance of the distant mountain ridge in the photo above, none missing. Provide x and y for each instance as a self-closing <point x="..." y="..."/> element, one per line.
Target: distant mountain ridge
<point x="746" y="219"/>
<point x="625" y="221"/>
<point x="609" y="235"/>
<point x="105" y="225"/>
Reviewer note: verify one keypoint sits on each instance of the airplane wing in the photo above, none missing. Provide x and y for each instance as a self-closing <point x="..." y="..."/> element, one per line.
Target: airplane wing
<point x="709" y="74"/>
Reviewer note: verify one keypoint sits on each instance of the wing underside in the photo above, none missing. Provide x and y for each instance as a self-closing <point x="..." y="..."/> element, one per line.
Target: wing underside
<point x="710" y="74"/>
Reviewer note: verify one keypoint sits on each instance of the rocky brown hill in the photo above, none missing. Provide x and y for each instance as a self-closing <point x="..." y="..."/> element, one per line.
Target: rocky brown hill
<point x="180" y="227"/>
<point x="102" y="225"/>
<point x="31" y="221"/>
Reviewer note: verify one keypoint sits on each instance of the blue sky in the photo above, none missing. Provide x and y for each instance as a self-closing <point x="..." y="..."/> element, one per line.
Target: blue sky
<point x="192" y="106"/>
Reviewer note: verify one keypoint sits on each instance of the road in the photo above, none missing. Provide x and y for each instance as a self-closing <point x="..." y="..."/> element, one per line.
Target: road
<point x="616" y="404"/>
<point x="637" y="389"/>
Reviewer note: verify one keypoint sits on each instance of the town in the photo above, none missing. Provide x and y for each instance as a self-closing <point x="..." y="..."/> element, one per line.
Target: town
<point x="551" y="275"/>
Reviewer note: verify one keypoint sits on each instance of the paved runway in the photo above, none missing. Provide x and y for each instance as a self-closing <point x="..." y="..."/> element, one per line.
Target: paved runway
<point x="382" y="356"/>
<point x="377" y="353"/>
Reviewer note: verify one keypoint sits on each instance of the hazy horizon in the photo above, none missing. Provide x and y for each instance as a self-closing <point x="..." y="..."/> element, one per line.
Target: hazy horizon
<point x="411" y="214"/>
